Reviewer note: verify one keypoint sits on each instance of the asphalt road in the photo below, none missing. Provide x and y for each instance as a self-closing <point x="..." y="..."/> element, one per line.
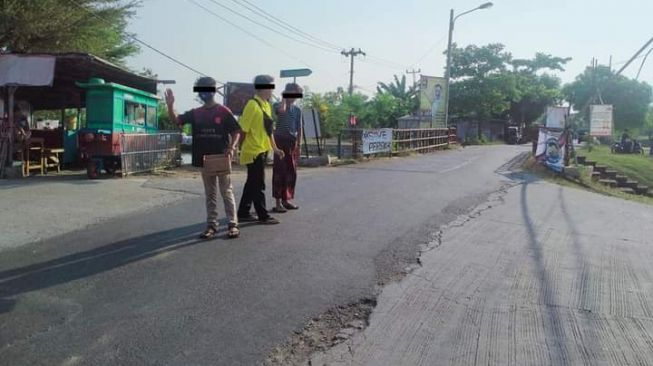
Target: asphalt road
<point x="141" y="290"/>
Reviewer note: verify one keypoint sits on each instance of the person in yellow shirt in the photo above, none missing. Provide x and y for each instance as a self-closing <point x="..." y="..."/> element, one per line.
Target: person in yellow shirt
<point x="256" y="124"/>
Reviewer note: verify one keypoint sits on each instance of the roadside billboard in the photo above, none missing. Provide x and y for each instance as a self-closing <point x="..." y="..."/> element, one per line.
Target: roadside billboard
<point x="236" y="96"/>
<point x="601" y="120"/>
<point x="432" y="99"/>
<point x="556" y="117"/>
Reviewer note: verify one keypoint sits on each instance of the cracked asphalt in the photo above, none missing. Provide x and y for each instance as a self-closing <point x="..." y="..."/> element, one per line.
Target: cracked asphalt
<point x="139" y="289"/>
<point x="539" y="275"/>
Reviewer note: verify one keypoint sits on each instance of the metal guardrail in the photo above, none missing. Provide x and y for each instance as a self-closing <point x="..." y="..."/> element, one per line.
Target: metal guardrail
<point x="420" y="140"/>
<point x="141" y="153"/>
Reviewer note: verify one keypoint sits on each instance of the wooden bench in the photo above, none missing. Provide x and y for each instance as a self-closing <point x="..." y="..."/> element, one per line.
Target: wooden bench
<point x="52" y="158"/>
<point x="33" y="156"/>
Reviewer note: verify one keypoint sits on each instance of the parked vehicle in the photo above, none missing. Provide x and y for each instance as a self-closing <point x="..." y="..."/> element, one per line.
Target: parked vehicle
<point x="513" y="135"/>
<point x="629" y="147"/>
<point x="111" y="110"/>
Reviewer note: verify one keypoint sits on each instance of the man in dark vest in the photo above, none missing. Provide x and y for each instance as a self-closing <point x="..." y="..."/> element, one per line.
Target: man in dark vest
<point x="215" y="131"/>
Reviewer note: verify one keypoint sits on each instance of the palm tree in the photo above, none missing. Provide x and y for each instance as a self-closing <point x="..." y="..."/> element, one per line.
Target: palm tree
<point x="398" y="89"/>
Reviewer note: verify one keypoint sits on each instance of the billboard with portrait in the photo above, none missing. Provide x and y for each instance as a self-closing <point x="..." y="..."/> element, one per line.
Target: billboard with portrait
<point x="433" y="92"/>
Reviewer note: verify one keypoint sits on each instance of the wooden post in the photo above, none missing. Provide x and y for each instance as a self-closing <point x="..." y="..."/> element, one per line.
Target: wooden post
<point x="10" y="106"/>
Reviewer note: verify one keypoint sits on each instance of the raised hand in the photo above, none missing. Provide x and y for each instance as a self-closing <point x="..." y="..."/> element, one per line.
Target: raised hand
<point x="170" y="97"/>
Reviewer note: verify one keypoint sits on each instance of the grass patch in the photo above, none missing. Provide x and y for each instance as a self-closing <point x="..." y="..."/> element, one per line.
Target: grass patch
<point x="583" y="182"/>
<point x="635" y="167"/>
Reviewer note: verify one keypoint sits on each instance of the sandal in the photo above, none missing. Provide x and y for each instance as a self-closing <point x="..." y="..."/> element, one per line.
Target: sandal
<point x="289" y="206"/>
<point x="279" y="209"/>
<point x="209" y="233"/>
<point x="233" y="232"/>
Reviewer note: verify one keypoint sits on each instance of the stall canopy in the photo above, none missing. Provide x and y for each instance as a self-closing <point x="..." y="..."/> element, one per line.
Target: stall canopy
<point x="47" y="81"/>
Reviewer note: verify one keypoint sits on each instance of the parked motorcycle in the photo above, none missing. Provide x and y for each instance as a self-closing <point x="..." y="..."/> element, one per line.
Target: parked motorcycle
<point x="630" y="147"/>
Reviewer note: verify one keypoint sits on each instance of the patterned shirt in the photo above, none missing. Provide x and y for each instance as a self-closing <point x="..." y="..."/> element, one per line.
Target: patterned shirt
<point x="289" y="123"/>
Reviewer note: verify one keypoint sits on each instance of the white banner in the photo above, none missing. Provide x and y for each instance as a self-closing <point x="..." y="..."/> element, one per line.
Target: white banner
<point x="555" y="117"/>
<point x="377" y="141"/>
<point x="601" y="120"/>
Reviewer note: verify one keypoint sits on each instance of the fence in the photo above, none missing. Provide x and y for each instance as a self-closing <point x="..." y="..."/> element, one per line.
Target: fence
<point x="422" y="140"/>
<point x="147" y="152"/>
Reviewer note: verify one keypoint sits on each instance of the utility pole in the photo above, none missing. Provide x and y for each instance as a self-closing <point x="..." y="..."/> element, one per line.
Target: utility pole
<point x="635" y="56"/>
<point x="352" y="53"/>
<point x="414" y="72"/>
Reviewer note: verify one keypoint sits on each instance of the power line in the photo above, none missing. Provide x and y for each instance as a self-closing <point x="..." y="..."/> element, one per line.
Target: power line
<point x="127" y="36"/>
<point x="247" y="32"/>
<point x="437" y="43"/>
<point x="272" y="29"/>
<point x="383" y="62"/>
<point x="257" y="10"/>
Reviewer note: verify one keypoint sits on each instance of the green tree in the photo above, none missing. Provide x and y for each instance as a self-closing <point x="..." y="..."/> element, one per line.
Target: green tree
<point x="480" y="86"/>
<point x="630" y="98"/>
<point x="383" y="111"/>
<point x="535" y="89"/>
<point x="91" y="26"/>
<point x="488" y="83"/>
<point x="407" y="97"/>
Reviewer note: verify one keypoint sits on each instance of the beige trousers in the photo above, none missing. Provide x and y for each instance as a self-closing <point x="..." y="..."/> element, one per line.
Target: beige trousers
<point x="211" y="184"/>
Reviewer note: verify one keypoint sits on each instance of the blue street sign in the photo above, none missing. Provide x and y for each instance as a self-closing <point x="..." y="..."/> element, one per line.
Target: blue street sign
<point x="295" y="73"/>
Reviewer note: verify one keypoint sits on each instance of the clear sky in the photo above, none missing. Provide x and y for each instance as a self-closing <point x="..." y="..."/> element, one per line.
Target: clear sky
<point x="398" y="32"/>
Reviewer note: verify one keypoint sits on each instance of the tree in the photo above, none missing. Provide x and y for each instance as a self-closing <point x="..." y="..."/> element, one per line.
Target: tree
<point x="481" y="88"/>
<point x="406" y="96"/>
<point x="630" y="98"/>
<point x="536" y="90"/>
<point x="90" y="26"/>
<point x="488" y="83"/>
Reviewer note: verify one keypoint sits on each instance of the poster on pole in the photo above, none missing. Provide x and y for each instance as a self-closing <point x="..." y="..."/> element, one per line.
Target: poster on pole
<point x="236" y="96"/>
<point x="551" y="147"/>
<point x="601" y="120"/>
<point x="556" y="117"/>
<point x="432" y="99"/>
<point x="377" y="141"/>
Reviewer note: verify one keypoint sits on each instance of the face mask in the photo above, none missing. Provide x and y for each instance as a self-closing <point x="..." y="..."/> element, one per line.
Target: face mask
<point x="206" y="97"/>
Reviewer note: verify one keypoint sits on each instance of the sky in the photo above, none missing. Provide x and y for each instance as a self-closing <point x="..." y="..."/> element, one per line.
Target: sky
<point x="396" y="36"/>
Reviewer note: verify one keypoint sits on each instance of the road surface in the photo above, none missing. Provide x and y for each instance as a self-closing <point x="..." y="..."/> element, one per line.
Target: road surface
<point x="140" y="289"/>
<point x="540" y="275"/>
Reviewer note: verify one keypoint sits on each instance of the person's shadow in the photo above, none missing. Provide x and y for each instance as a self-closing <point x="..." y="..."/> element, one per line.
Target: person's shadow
<point x="80" y="265"/>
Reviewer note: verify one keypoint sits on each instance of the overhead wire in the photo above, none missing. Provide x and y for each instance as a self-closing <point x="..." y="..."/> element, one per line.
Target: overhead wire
<point x="287" y="54"/>
<point x="128" y="36"/>
<point x="427" y="53"/>
<point x="272" y="29"/>
<point x="298" y="32"/>
<point x="271" y="18"/>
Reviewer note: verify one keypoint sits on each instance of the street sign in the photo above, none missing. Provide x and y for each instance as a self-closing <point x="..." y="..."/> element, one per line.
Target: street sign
<point x="295" y="73"/>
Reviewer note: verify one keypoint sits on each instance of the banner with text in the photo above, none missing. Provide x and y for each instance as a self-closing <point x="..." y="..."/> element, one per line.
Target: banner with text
<point x="377" y="141"/>
<point x="601" y="120"/>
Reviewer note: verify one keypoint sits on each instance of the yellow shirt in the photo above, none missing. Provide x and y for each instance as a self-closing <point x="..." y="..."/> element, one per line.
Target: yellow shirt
<point x="256" y="140"/>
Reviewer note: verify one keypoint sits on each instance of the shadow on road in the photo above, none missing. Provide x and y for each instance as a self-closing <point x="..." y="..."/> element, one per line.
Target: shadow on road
<point x="84" y="264"/>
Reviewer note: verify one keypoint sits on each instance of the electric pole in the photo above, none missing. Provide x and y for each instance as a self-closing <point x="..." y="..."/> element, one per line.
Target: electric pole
<point x="414" y="72"/>
<point x="352" y="53"/>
